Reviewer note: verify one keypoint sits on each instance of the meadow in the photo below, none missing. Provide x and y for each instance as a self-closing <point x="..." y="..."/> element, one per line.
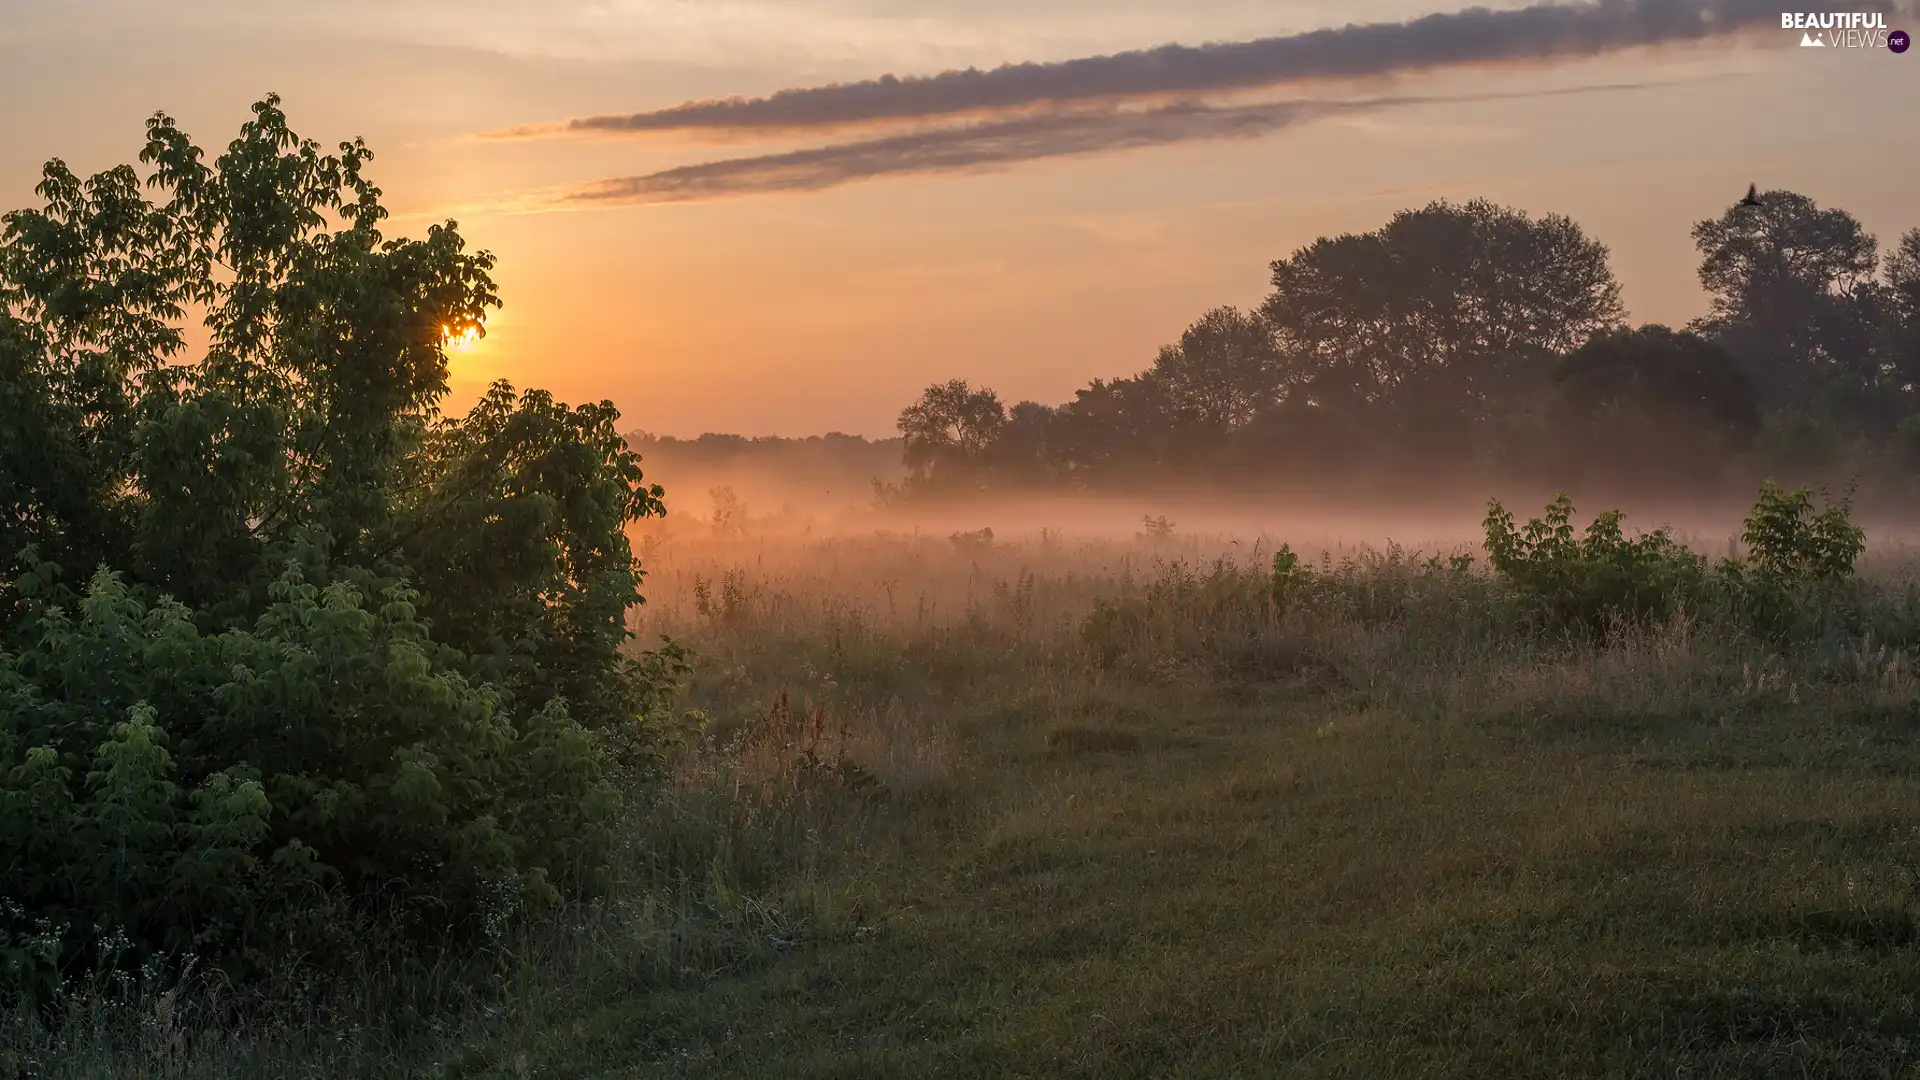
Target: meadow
<point x="938" y="815"/>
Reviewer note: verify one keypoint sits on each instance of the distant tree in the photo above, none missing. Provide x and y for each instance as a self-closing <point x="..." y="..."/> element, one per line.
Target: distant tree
<point x="1302" y="442"/>
<point x="1113" y="430"/>
<point x="1630" y="403"/>
<point x="729" y="514"/>
<point x="1902" y="331"/>
<point x="1447" y="304"/>
<point x="949" y="432"/>
<point x="1023" y="450"/>
<point x="1793" y="291"/>
<point x="1223" y="370"/>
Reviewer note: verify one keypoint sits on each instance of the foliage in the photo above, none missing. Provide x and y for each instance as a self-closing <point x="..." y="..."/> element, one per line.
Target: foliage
<point x="1602" y="577"/>
<point x="1792" y="288"/>
<point x="1798" y="438"/>
<point x="1630" y="401"/>
<point x="729" y="514"/>
<point x="1445" y="301"/>
<point x="948" y="432"/>
<point x="1592" y="578"/>
<point x="1462" y="341"/>
<point x="333" y="658"/>
<point x="1292" y="579"/>
<point x="1901" y="341"/>
<point x="1788" y="540"/>
<point x="1223" y="370"/>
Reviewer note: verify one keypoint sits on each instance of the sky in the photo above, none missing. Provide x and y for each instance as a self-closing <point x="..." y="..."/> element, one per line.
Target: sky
<point x="809" y="263"/>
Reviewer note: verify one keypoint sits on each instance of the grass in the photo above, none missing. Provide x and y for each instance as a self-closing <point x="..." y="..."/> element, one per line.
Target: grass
<point x="932" y="831"/>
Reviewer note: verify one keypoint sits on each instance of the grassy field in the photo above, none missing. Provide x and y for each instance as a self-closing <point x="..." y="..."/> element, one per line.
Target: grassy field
<point x="934" y="827"/>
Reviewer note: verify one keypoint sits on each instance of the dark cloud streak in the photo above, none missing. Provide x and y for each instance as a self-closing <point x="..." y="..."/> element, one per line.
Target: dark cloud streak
<point x="1473" y="36"/>
<point x="991" y="145"/>
<point x="955" y="149"/>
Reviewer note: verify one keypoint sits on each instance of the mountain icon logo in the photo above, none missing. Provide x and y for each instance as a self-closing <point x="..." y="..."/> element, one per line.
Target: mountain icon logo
<point x="1808" y="41"/>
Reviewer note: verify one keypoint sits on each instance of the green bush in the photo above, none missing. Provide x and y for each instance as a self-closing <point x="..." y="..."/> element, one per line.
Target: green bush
<point x="1797" y="576"/>
<point x="1593" y="578"/>
<point x="1601" y="577"/>
<point x="336" y="662"/>
<point x="1790" y="541"/>
<point x="1292" y="579"/>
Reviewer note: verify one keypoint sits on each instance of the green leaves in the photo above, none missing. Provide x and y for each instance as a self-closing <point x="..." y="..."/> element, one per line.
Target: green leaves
<point x="336" y="654"/>
<point x="1788" y="540"/>
<point x="1594" y="578"/>
<point x="1602" y="576"/>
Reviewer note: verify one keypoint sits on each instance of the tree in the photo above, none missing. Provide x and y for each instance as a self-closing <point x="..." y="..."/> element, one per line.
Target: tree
<point x="948" y="433"/>
<point x="1023" y="450"/>
<point x="1223" y="370"/>
<point x="1113" y="430"/>
<point x="1629" y="403"/>
<point x="1443" y="305"/>
<point x="1793" y="291"/>
<point x="282" y="648"/>
<point x="1902" y="344"/>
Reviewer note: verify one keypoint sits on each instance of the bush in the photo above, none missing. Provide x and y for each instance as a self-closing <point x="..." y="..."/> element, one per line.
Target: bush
<point x="1789" y="541"/>
<point x="1602" y="577"/>
<point x="1593" y="578"/>
<point x="1796" y="578"/>
<point x="335" y="661"/>
<point x="1292" y="579"/>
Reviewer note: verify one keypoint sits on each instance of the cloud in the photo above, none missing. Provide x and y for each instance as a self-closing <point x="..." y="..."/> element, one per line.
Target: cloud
<point x="950" y="149"/>
<point x="1474" y="36"/>
<point x="989" y="145"/>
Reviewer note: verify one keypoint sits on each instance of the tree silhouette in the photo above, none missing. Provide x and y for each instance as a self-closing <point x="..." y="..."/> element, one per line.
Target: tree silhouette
<point x="1023" y="451"/>
<point x="1902" y="343"/>
<point x="1112" y="430"/>
<point x="948" y="433"/>
<point x="1223" y="370"/>
<point x="1792" y="289"/>
<point x="1630" y="403"/>
<point x="1441" y="304"/>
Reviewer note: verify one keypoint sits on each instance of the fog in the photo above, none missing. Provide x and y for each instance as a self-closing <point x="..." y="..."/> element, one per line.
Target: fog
<point x="787" y="503"/>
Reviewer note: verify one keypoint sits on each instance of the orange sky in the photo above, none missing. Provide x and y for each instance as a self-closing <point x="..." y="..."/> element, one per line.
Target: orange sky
<point x="801" y="313"/>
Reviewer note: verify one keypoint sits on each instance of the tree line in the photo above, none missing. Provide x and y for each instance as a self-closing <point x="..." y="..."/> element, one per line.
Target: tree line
<point x="1468" y="340"/>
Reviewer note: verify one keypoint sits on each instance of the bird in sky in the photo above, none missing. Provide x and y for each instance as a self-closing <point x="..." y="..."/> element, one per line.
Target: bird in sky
<point x="1753" y="196"/>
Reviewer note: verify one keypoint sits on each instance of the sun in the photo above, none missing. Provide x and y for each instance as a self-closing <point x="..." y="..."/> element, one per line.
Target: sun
<point x="460" y="338"/>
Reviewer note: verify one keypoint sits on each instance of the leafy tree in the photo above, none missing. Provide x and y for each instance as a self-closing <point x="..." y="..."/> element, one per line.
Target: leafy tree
<point x="1309" y="443"/>
<point x="1792" y="288"/>
<point x="1023" y="450"/>
<point x="1447" y="304"/>
<point x="949" y="431"/>
<point x="1631" y="402"/>
<point x="1113" y="430"/>
<point x="280" y="646"/>
<point x="1799" y="439"/>
<point x="1223" y="370"/>
<point x="1902" y="272"/>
